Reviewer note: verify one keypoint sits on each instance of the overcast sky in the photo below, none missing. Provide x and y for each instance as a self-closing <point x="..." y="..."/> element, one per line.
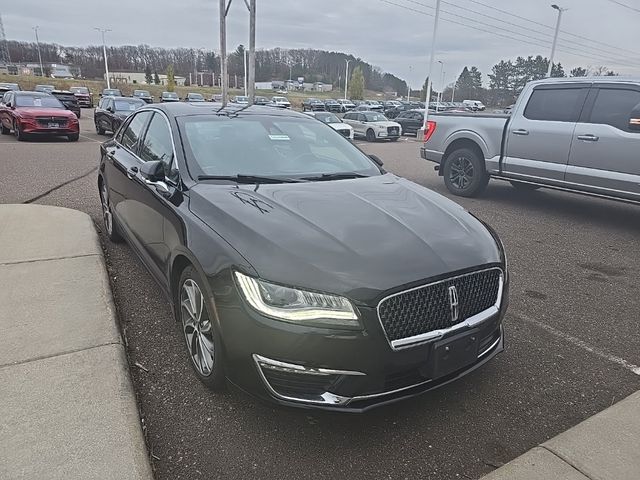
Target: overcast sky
<point x="395" y="38"/>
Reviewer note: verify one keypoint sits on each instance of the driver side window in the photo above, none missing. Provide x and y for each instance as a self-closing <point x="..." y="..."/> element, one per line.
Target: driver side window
<point x="157" y="146"/>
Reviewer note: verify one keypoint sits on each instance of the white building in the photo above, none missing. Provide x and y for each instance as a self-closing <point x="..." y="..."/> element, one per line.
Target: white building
<point x="139" y="78"/>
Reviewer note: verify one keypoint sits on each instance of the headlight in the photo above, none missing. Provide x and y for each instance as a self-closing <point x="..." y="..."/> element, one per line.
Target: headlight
<point x="297" y="306"/>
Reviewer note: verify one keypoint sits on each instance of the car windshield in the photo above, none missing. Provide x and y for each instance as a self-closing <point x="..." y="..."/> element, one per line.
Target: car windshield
<point x="79" y="89"/>
<point x="38" y="101"/>
<point x="111" y="92"/>
<point x="264" y="145"/>
<point x="242" y="99"/>
<point x="44" y="87"/>
<point x="10" y="86"/>
<point x="280" y="99"/>
<point x="141" y="93"/>
<point x="128" y="105"/>
<point x="170" y="95"/>
<point x="327" y="118"/>
<point x="375" y="117"/>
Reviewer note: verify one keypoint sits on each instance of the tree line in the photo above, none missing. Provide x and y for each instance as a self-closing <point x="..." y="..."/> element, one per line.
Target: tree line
<point x="273" y="64"/>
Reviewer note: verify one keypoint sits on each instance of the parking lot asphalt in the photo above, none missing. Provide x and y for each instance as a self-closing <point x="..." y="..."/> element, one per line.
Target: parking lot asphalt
<point x="571" y="342"/>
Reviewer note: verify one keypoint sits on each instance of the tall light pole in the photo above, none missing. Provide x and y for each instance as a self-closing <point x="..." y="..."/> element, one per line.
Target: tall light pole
<point x="245" y="71"/>
<point x="555" y="37"/>
<point x="453" y="92"/>
<point x="427" y="97"/>
<point x="441" y="83"/>
<point x="104" y="53"/>
<point x="35" y="29"/>
<point x="409" y="87"/>
<point x="346" y="78"/>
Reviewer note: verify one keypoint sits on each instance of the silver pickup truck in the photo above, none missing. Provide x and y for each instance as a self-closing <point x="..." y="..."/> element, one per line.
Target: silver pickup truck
<point x="576" y="134"/>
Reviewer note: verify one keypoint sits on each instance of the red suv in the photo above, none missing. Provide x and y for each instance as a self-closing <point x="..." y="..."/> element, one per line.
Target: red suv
<point x="34" y="113"/>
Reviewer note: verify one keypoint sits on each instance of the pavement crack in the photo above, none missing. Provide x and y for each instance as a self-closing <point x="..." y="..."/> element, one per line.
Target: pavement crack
<point x="50" y="259"/>
<point x="59" y="354"/>
<point x="63" y="184"/>
<point x="565" y="460"/>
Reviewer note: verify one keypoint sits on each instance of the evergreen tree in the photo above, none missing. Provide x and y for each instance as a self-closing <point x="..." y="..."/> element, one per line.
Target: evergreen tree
<point x="147" y="75"/>
<point x="156" y="78"/>
<point x="356" y="84"/>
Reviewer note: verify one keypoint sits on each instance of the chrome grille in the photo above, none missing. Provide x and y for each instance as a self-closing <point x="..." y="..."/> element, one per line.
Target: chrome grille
<point x="393" y="131"/>
<point x="62" y="121"/>
<point x="428" y="308"/>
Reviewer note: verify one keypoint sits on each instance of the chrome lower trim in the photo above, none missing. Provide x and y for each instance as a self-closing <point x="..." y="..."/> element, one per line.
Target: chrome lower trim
<point x="295" y="368"/>
<point x="492" y="346"/>
<point x="436" y="334"/>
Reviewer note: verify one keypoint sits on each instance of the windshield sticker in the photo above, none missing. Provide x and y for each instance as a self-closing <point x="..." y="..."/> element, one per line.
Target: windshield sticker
<point x="37" y="102"/>
<point x="280" y="137"/>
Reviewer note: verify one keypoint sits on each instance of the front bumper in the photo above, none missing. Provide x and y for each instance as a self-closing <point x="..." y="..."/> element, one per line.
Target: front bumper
<point x="340" y="370"/>
<point x="38" y="130"/>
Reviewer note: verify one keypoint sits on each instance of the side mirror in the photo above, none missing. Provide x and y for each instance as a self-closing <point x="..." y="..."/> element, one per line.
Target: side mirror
<point x="152" y="171"/>
<point x="377" y="160"/>
<point x="110" y="109"/>
<point x="634" y="121"/>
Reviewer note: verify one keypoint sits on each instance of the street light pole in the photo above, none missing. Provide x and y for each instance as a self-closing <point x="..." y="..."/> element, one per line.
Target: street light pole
<point x="433" y="51"/>
<point x="104" y="53"/>
<point x="245" y="71"/>
<point x="441" y="84"/>
<point x="409" y="87"/>
<point x="346" y="79"/>
<point x="453" y="92"/>
<point x="555" y="37"/>
<point x="38" y="45"/>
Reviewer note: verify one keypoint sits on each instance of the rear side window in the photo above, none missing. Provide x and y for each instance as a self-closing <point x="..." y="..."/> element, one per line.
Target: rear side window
<point x="131" y="134"/>
<point x="613" y="107"/>
<point x="555" y="104"/>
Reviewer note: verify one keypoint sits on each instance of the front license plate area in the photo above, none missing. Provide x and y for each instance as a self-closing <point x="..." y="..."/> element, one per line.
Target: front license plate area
<point x="54" y="125"/>
<point x="454" y="353"/>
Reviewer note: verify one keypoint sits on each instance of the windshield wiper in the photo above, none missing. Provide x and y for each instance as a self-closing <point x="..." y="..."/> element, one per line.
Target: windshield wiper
<point x="240" y="178"/>
<point x="335" y="176"/>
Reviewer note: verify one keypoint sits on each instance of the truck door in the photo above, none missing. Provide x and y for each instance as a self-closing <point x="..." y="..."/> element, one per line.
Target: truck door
<point x="605" y="153"/>
<point x="539" y="137"/>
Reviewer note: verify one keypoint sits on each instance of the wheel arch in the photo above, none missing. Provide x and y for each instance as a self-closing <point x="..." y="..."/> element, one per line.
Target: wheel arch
<point x="462" y="143"/>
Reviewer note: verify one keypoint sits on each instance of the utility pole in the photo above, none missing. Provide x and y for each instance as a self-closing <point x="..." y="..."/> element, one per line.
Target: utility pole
<point x="409" y="87"/>
<point x="35" y="29"/>
<point x="441" y="84"/>
<point x="4" y="48"/>
<point x="104" y="53"/>
<point x="251" y="77"/>
<point x="224" y="10"/>
<point x="453" y="92"/>
<point x="555" y="37"/>
<point x="433" y="51"/>
<point x="346" y="79"/>
<point x="244" y="58"/>
<point x="252" y="51"/>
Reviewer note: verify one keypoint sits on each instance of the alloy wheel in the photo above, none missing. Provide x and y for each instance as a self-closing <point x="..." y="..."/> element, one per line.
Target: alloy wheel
<point x="197" y="327"/>
<point x="107" y="216"/>
<point x="461" y="172"/>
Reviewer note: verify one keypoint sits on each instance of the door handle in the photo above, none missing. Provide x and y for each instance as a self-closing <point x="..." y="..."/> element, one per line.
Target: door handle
<point x="520" y="131"/>
<point x="132" y="172"/>
<point x="588" y="138"/>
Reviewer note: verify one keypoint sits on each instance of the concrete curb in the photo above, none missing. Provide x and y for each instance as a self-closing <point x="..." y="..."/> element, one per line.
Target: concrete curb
<point x="605" y="446"/>
<point x="67" y="402"/>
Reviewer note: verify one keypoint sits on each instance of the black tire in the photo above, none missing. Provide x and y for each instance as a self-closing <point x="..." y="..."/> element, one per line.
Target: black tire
<point x="205" y="338"/>
<point x="73" y="137"/>
<point x="464" y="173"/>
<point x="17" y="131"/>
<point x="111" y="228"/>
<point x="4" y="130"/>
<point x="99" y="130"/>
<point x="524" y="187"/>
<point x="371" y="136"/>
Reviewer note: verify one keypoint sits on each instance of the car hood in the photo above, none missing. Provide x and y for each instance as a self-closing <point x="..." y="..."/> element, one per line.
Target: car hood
<point x="357" y="238"/>
<point x="44" y="112"/>
<point x="340" y="126"/>
<point x="385" y="124"/>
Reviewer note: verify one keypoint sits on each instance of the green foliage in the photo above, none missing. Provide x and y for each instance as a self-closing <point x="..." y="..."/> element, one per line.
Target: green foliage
<point x="469" y="84"/>
<point x="156" y="78"/>
<point x="578" y="72"/>
<point x="356" y="84"/>
<point x="171" y="79"/>
<point x="147" y="74"/>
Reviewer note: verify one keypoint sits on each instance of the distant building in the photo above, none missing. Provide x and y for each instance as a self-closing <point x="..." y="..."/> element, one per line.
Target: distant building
<point x="55" y="70"/>
<point x="294" y="85"/>
<point x="139" y="78"/>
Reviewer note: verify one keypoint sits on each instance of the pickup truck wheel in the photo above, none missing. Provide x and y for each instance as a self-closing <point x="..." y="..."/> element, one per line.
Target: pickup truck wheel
<point x="371" y="136"/>
<point x="524" y="187"/>
<point x="464" y="173"/>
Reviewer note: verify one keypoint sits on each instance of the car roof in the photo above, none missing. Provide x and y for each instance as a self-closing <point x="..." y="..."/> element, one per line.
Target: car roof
<point x="129" y="99"/>
<point x="183" y="109"/>
<point x="602" y="79"/>
<point x="30" y="93"/>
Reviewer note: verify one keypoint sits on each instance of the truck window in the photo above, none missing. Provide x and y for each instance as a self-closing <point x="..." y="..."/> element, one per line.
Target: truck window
<point x="555" y="104"/>
<point x="613" y="107"/>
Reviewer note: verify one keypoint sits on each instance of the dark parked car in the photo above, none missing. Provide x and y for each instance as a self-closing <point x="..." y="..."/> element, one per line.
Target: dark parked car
<point x="6" y="87"/>
<point x="111" y="92"/>
<point x="169" y="97"/>
<point x="296" y="266"/>
<point x="333" y="106"/>
<point x="44" y="88"/>
<point x="36" y="113"/>
<point x="312" y="105"/>
<point x="216" y="97"/>
<point x="194" y="97"/>
<point x="111" y="112"/>
<point x="143" y="95"/>
<point x="395" y="110"/>
<point x="85" y="99"/>
<point x="411" y="121"/>
<point x="69" y="100"/>
<point x="261" y="100"/>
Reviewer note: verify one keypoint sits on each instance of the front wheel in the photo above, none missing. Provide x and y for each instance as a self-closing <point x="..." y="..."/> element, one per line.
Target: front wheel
<point x="99" y="130"/>
<point x="464" y="173"/>
<point x="20" y="136"/>
<point x="200" y="330"/>
<point x="110" y="226"/>
<point x="371" y="136"/>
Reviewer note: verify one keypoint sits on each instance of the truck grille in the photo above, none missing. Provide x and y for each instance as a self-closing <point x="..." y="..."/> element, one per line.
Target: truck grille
<point x="393" y="131"/>
<point x="428" y="308"/>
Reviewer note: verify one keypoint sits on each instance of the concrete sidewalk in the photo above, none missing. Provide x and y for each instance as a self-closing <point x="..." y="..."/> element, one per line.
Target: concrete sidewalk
<point x="603" y="447"/>
<point x="67" y="407"/>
